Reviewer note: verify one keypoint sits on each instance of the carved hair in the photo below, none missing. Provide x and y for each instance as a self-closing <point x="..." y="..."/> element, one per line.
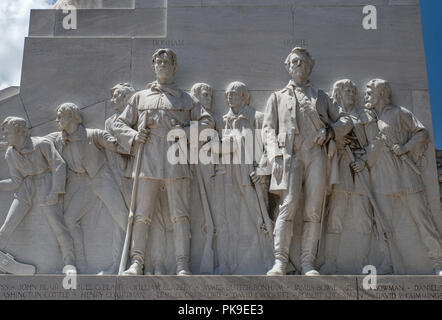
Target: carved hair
<point x="170" y="53"/>
<point x="383" y="86"/>
<point x="16" y="123"/>
<point x="73" y="109"/>
<point x="302" y="52"/>
<point x="241" y="88"/>
<point x="196" y="89"/>
<point x="127" y="89"/>
<point x="338" y="89"/>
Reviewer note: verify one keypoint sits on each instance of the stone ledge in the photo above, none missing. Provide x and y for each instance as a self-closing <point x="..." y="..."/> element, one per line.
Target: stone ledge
<point x="50" y="287"/>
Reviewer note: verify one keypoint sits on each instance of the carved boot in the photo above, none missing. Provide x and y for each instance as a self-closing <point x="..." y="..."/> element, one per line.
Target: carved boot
<point x="181" y="235"/>
<point x="278" y="269"/>
<point x="331" y="253"/>
<point x="135" y="269"/>
<point x="138" y="248"/>
<point x="310" y="238"/>
<point x="437" y="266"/>
<point x="283" y="237"/>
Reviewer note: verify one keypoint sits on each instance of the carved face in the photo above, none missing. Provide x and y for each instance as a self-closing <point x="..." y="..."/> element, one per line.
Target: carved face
<point x="164" y="67"/>
<point x="63" y="119"/>
<point x="372" y="97"/>
<point x="349" y="95"/>
<point x="117" y="99"/>
<point x="205" y="97"/>
<point x="15" y="137"/>
<point x="233" y="98"/>
<point x="299" y="67"/>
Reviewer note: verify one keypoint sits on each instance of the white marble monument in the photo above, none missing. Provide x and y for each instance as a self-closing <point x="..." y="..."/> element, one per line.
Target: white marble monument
<point x="317" y="165"/>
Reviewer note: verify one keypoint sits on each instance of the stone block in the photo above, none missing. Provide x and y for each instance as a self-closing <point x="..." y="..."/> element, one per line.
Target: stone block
<point x="42" y="23"/>
<point x="76" y="70"/>
<point x="114" y="23"/>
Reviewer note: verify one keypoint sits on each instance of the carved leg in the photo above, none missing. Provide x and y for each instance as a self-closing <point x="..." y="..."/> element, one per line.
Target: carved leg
<point x="18" y="210"/>
<point x="178" y="193"/>
<point x="61" y="231"/>
<point x="148" y="192"/>
<point x="284" y="223"/>
<point x="421" y="214"/>
<point x="315" y="187"/>
<point x="310" y="238"/>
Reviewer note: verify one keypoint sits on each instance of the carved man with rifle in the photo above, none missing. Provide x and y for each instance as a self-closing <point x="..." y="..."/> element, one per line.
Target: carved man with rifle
<point x="143" y="128"/>
<point x="397" y="140"/>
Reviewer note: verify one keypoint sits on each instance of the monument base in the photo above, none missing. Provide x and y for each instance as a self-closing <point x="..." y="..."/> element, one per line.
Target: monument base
<point x="52" y="287"/>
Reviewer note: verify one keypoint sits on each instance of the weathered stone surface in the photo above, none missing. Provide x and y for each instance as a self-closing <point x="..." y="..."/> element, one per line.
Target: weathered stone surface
<point x="216" y="42"/>
<point x="56" y="62"/>
<point x="150" y="23"/>
<point x="219" y="288"/>
<point x="402" y="288"/>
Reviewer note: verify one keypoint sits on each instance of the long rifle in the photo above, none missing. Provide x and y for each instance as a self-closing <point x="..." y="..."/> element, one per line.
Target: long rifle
<point x="133" y="200"/>
<point x="382" y="220"/>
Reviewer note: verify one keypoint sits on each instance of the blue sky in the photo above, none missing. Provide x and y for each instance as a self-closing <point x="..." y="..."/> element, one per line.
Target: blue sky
<point x="431" y="15"/>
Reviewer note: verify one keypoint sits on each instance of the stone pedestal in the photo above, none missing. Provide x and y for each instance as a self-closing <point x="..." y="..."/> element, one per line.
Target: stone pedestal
<point x="220" y="288"/>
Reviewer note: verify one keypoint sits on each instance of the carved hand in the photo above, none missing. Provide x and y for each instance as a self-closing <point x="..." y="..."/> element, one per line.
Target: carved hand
<point x="321" y="138"/>
<point x="399" y="149"/>
<point x="278" y="167"/>
<point x="256" y="178"/>
<point x="358" y="166"/>
<point x="142" y="136"/>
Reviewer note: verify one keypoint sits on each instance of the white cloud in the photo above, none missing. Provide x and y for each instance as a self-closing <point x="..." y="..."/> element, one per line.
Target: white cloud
<point x="14" y="24"/>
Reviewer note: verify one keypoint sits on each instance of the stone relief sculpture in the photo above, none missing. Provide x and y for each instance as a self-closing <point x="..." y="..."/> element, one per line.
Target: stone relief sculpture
<point x="249" y="226"/>
<point x="122" y="167"/>
<point x="148" y="118"/>
<point x="349" y="195"/>
<point x="299" y="124"/>
<point x="397" y="140"/>
<point x="327" y="159"/>
<point x="82" y="149"/>
<point x="204" y="174"/>
<point x="38" y="173"/>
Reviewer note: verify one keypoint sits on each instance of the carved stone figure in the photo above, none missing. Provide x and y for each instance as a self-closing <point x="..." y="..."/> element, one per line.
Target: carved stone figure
<point x="82" y="149"/>
<point x="122" y="167"/>
<point x="249" y="227"/>
<point x="204" y="174"/>
<point x="148" y="118"/>
<point x="348" y="196"/>
<point x="299" y="124"/>
<point x="397" y="140"/>
<point x="38" y="172"/>
<point x="121" y="164"/>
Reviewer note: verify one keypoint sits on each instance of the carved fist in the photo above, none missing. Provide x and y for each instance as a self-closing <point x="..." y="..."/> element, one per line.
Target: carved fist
<point x="399" y="150"/>
<point x="256" y="178"/>
<point x="278" y="167"/>
<point x="321" y="138"/>
<point x="358" y="166"/>
<point x="142" y="136"/>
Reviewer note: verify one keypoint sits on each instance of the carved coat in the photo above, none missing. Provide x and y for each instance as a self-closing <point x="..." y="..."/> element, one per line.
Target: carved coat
<point x="280" y="127"/>
<point x="165" y="107"/>
<point x="85" y="150"/>
<point x="36" y="168"/>
<point x="390" y="174"/>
